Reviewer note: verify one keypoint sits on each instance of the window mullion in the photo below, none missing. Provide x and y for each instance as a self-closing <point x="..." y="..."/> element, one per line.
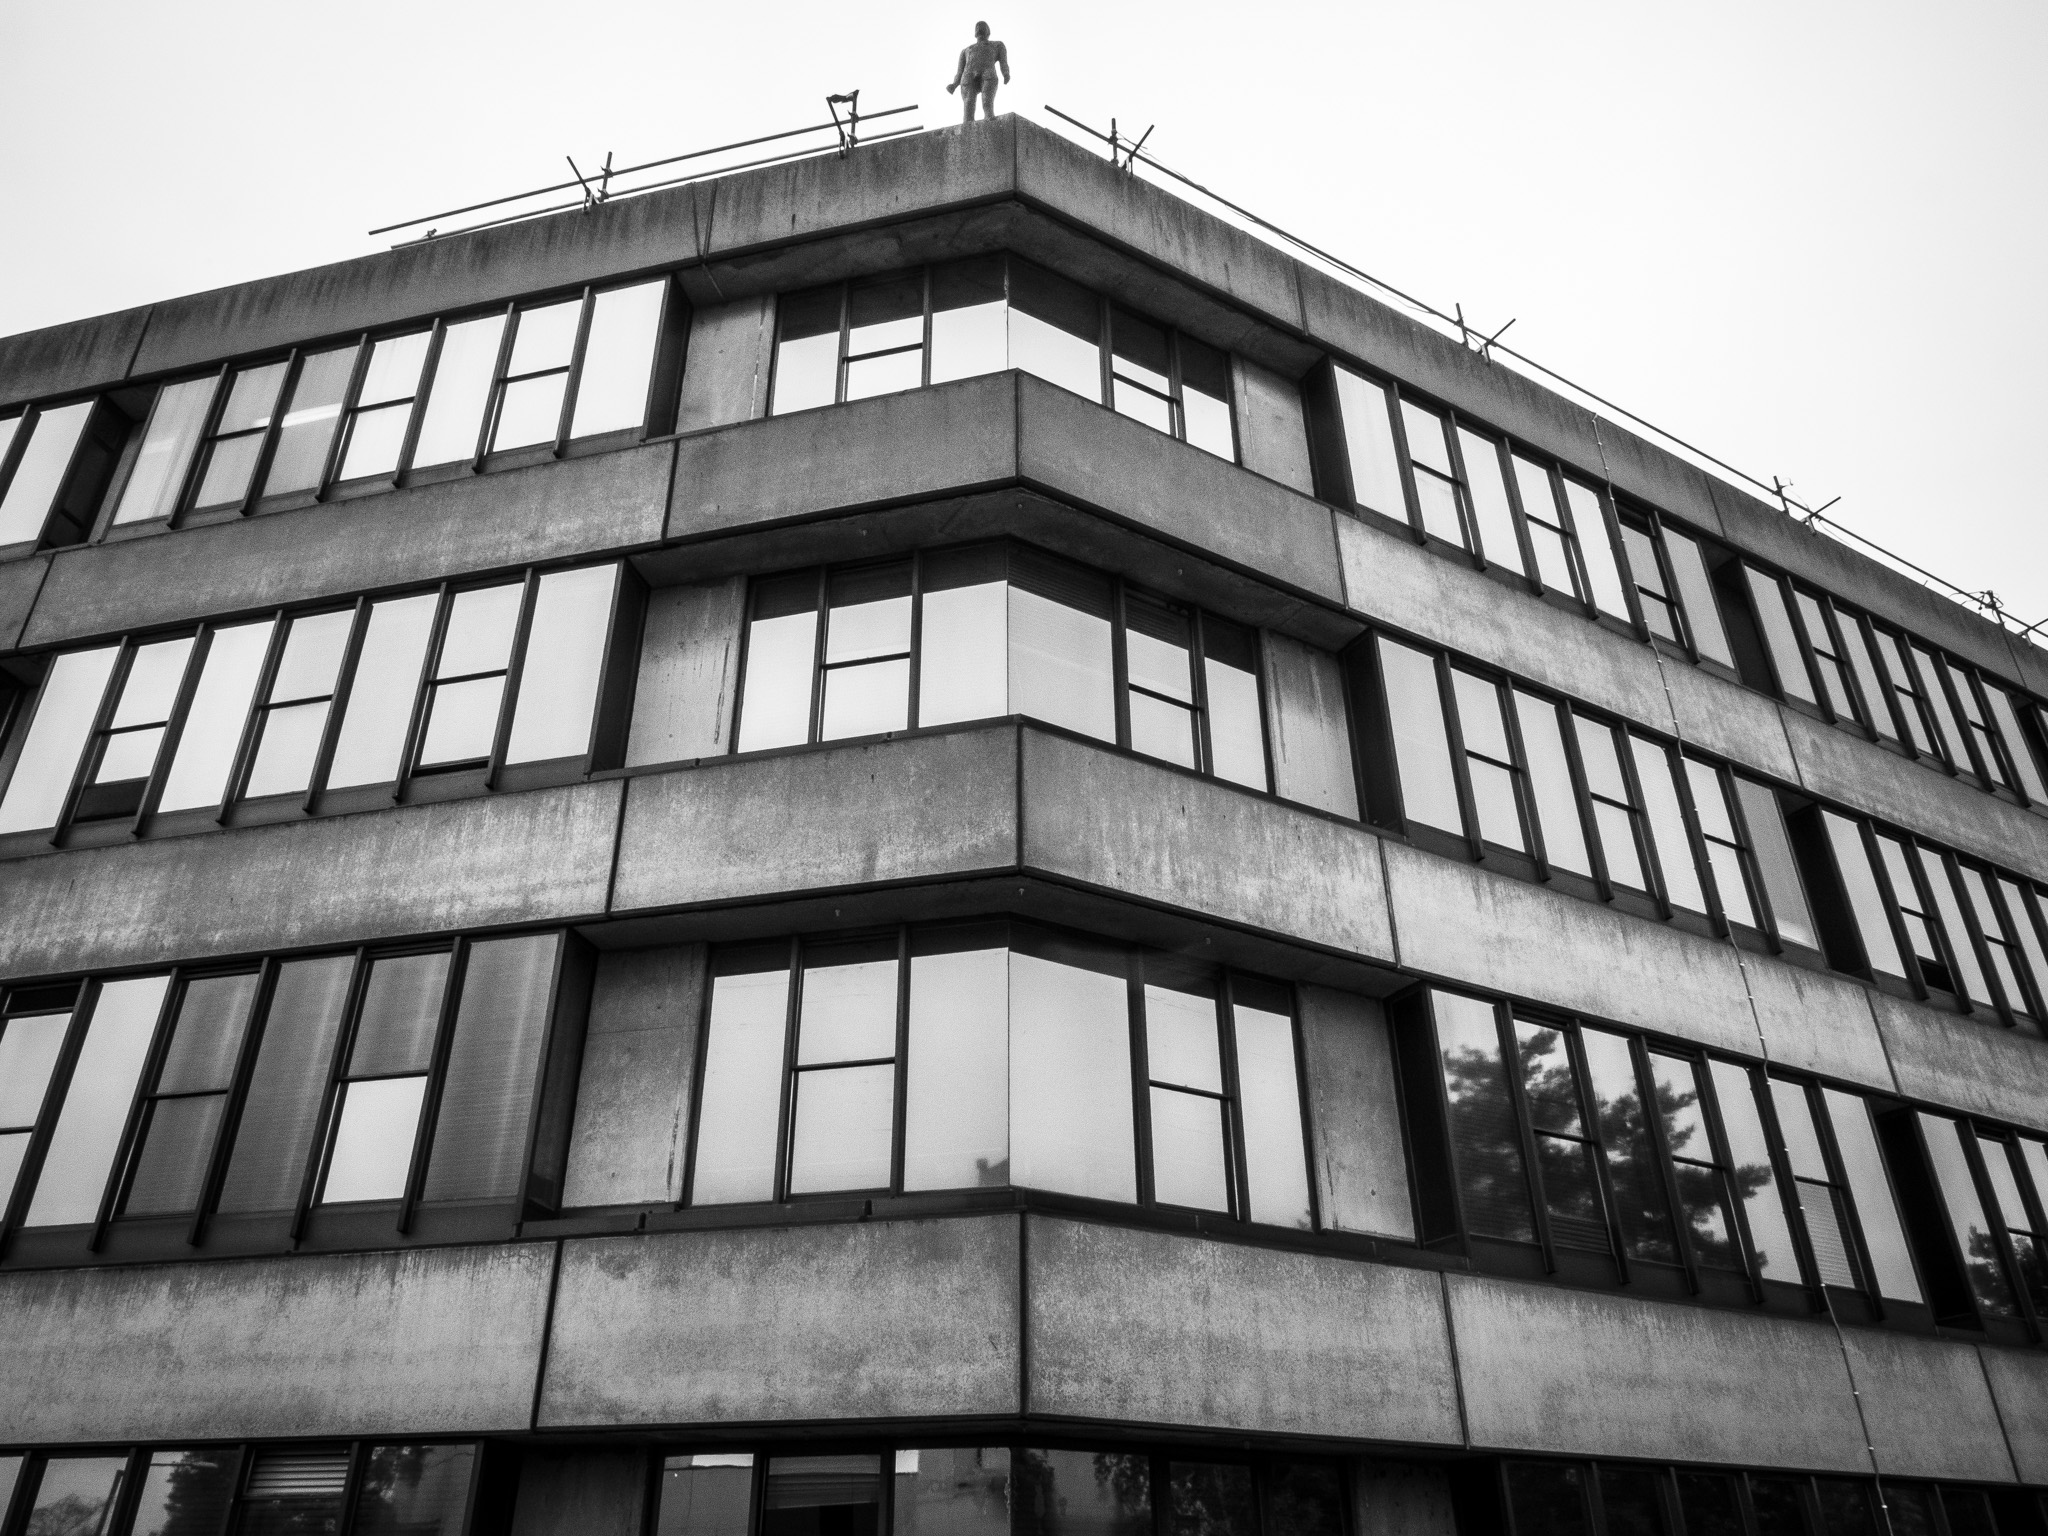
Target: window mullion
<point x="174" y="728"/>
<point x="1519" y="774"/>
<point x="1239" y="1193"/>
<point x="494" y="397"/>
<point x="138" y="1098"/>
<point x="1696" y="837"/>
<point x="30" y="1171"/>
<point x="916" y="658"/>
<point x="1511" y="1063"/>
<point x="1639" y="819"/>
<point x="845" y="343"/>
<point x="1582" y="797"/>
<point x="515" y="669"/>
<point x="574" y="382"/>
<point x="1461" y="769"/>
<point x="337" y="705"/>
<point x="323" y="1123"/>
<point x="96" y="738"/>
<point x="1141" y="1076"/>
<point x="344" y="417"/>
<point x="820" y="635"/>
<point x="437" y="1077"/>
<point x="1781" y="1167"/>
<point x="899" y="1112"/>
<point x="416" y="411"/>
<point x="1119" y="660"/>
<point x="257" y="717"/>
<point x="1667" y="1168"/>
<point x="2001" y="1224"/>
<point x="423" y="694"/>
<point x="1198" y="691"/>
<point x="10" y="460"/>
<point x="233" y="1101"/>
<point x="785" y="1124"/>
<point x="1724" y="1169"/>
<point x="924" y="372"/>
<point x="1404" y="462"/>
<point x="259" y="471"/>
<point x="1588" y="1105"/>
<point x="1852" y="1216"/>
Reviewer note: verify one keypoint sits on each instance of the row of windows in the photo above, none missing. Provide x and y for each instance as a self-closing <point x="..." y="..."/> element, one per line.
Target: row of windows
<point x="357" y="415"/>
<point x="1568" y="1498"/>
<point x="364" y="1489"/>
<point x="206" y="1102"/>
<point x="878" y="335"/>
<point x="329" y="709"/>
<point x="1462" y="488"/>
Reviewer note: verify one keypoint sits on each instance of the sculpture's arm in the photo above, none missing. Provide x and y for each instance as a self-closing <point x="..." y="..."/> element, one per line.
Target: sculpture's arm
<point x="1003" y="58"/>
<point x="959" y="70"/>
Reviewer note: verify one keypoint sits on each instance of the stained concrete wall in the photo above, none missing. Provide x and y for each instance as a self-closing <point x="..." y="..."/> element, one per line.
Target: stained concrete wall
<point x="432" y="1341"/>
<point x="1360" y="1154"/>
<point x="1308" y="728"/>
<point x="1971" y="1064"/>
<point x="725" y="376"/>
<point x="631" y="1134"/>
<point x="912" y="1319"/>
<point x="689" y="680"/>
<point x="1272" y="432"/>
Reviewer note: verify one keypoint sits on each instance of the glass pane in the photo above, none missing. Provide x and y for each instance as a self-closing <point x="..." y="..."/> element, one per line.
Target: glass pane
<point x="1479" y="716"/>
<point x="252" y="397"/>
<point x="154" y="672"/>
<point x="28" y="1053"/>
<point x="1767" y="598"/>
<point x="1654" y="770"/>
<point x="1269" y="1110"/>
<point x="1589" y="521"/>
<point x="1549" y="1085"/>
<point x="1633" y="1169"/>
<point x="1180" y="1039"/>
<point x="956" y="1131"/>
<point x="1779" y="870"/>
<point x="57" y="735"/>
<point x="564" y="664"/>
<point x="2016" y="744"/>
<point x="1710" y="1504"/>
<point x="1628" y="1498"/>
<point x="459" y="391"/>
<point x="294" y="1493"/>
<point x="884" y="314"/>
<point x="1188" y="1151"/>
<point x="849" y="1007"/>
<point x="186" y="1493"/>
<point x="1237" y="743"/>
<point x="300" y="457"/>
<point x="1642" y="563"/>
<point x="736" y="1123"/>
<point x="1484" y="1138"/>
<point x="1070" y="1080"/>
<point x="229" y="464"/>
<point x="1363" y="405"/>
<point x="1909" y="1511"/>
<point x="375" y="439"/>
<point x="1550" y="784"/>
<point x="414" y="1490"/>
<point x="481" y="625"/>
<point x="13" y="1152"/>
<point x="288" y="744"/>
<point x="1422" y="753"/>
<point x="1489" y="493"/>
<point x="1998" y="952"/>
<point x="963" y="672"/>
<point x="842" y="1131"/>
<point x="1060" y="662"/>
<point x="1081" y="1493"/>
<point x="776" y="706"/>
<point x="1155" y="411"/>
<point x="1426" y="443"/>
<point x="1303" y="1498"/>
<point x="1207" y="1499"/>
<point x="618" y="360"/>
<point x="1055" y="330"/>
<point x="39" y="473"/>
<point x="1157" y="647"/>
<point x="167" y="447"/>
<point x="806" y="351"/>
<point x="1162" y="730"/>
<point x="813" y="1495"/>
<point x="1139" y="351"/>
<point x="1962" y="948"/>
<point x="1777" y="1504"/>
<point x="706" y="1496"/>
<point x="373" y="1139"/>
<point x="206" y="1041"/>
<point x="1834" y="681"/>
<point x="1975" y="1241"/>
<point x="171" y="1163"/>
<point x="1860" y="885"/>
<point x="312" y="656"/>
<point x="1694" y="1161"/>
<point x="96" y="1103"/>
<point x="866" y="699"/>
<point x="1539" y="504"/>
<point x="545" y="337"/>
<point x="888" y="374"/>
<point x="401" y="1013"/>
<point x="288" y="1085"/>
<point x="1762" y="1203"/>
<point x="529" y="412"/>
<point x="1205" y="399"/>
<point x="129" y="755"/>
<point x="868" y="614"/>
<point x="372" y="737"/>
<point x="1968" y="1511"/>
<point x="1845" y="1507"/>
<point x="394" y="371"/>
<point x="462" y="721"/>
<point x="76" y="1495"/>
<point x="969" y="319"/>
<point x="952" y="1492"/>
<point x="481" y="1131"/>
<point x="1696" y="596"/>
<point x="1547" y="1498"/>
<point x="1876" y="697"/>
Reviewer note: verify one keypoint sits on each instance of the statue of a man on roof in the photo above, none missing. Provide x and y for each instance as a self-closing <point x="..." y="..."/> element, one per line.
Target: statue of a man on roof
<point x="976" y="76"/>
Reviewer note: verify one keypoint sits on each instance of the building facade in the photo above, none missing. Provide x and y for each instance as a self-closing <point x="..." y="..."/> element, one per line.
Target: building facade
<point x="919" y="842"/>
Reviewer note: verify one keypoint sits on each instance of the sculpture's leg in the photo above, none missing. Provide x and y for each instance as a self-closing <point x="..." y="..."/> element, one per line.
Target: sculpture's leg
<point x="988" y="96"/>
<point x="968" y="92"/>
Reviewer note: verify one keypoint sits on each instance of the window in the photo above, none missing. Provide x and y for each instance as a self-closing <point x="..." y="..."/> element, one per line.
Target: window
<point x="1978" y="1262"/>
<point x="992" y="630"/>
<point x="882" y="335"/>
<point x="274" y="1093"/>
<point x="1491" y="767"/>
<point x="369" y="411"/>
<point x="1909" y="698"/>
<point x="1837" y="693"/>
<point x="1985" y="749"/>
<point x="281" y="715"/>
<point x="32" y="1033"/>
<point x="1616" y="814"/>
<point x="998" y="1054"/>
<point x="54" y="465"/>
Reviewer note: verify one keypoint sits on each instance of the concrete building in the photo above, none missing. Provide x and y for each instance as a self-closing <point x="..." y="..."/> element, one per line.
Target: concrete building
<point x="920" y="842"/>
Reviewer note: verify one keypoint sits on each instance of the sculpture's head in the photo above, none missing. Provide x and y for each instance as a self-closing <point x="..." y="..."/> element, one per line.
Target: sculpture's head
<point x="981" y="29"/>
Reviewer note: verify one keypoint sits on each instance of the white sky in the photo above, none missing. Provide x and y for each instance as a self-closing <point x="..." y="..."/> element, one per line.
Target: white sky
<point x="1807" y="234"/>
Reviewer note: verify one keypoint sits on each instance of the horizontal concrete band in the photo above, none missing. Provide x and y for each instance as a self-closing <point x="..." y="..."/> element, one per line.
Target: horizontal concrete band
<point x="971" y="804"/>
<point x="982" y="1318"/>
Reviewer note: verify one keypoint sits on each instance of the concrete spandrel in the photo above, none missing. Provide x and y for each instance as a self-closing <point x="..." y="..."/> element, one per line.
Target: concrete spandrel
<point x="1929" y="1407"/>
<point x="1970" y="1063"/>
<point x="2019" y="1385"/>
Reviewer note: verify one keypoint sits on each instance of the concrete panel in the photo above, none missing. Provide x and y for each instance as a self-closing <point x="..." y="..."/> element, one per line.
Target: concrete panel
<point x="583" y="1492"/>
<point x="689" y="673"/>
<point x="2019" y="1384"/>
<point x="81" y="354"/>
<point x="1086" y="452"/>
<point x="633" y="1097"/>
<point x="1467" y="925"/>
<point x="916" y="809"/>
<point x="1586" y="1373"/>
<point x="1969" y="1064"/>
<point x="1928" y="1406"/>
<point x="1361" y="1161"/>
<point x="491" y="522"/>
<point x="1272" y="432"/>
<point x="1157" y="1328"/>
<point x="20" y="581"/>
<point x="1308" y="727"/>
<point x="725" y="372"/>
<point x="951" y="438"/>
<point x="538" y="856"/>
<point x="878" y="1320"/>
<point x="1859" y="773"/>
<point x="1735" y="723"/>
<point x="431" y="1341"/>
<point x="1121" y="824"/>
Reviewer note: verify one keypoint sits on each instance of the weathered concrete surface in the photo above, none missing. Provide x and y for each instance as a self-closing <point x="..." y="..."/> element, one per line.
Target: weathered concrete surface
<point x="530" y="857"/>
<point x="1929" y="1407"/>
<point x="431" y="1341"/>
<point x="2019" y="1384"/>
<point x="1272" y="433"/>
<point x="1851" y="771"/>
<point x="1973" y="1064"/>
<point x="874" y="1320"/>
<point x="1587" y="1373"/>
<point x="605" y="502"/>
<point x="75" y="355"/>
<point x="20" y="581"/>
<point x="1361" y="1164"/>
<point x="1121" y="824"/>
<point x="1467" y="925"/>
<point x="689" y="680"/>
<point x="725" y="375"/>
<point x="1308" y="727"/>
<point x="633" y="1097"/>
<point x="920" y="808"/>
<point x="581" y="1492"/>
<point x="1156" y="1328"/>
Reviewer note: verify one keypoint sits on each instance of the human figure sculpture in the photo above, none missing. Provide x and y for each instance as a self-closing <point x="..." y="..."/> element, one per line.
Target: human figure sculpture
<point x="976" y="75"/>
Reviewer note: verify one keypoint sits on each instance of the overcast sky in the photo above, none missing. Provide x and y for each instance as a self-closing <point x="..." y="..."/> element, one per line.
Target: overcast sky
<point x="1809" y="235"/>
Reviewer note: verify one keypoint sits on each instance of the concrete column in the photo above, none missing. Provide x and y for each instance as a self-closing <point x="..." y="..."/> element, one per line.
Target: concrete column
<point x="689" y="673"/>
<point x="1308" y="729"/>
<point x="1272" y="433"/>
<point x="1361" y="1170"/>
<point x="725" y="374"/>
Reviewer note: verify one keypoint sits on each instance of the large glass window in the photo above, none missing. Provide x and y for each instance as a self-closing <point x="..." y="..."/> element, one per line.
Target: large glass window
<point x="40" y="452"/>
<point x="998" y="1053"/>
